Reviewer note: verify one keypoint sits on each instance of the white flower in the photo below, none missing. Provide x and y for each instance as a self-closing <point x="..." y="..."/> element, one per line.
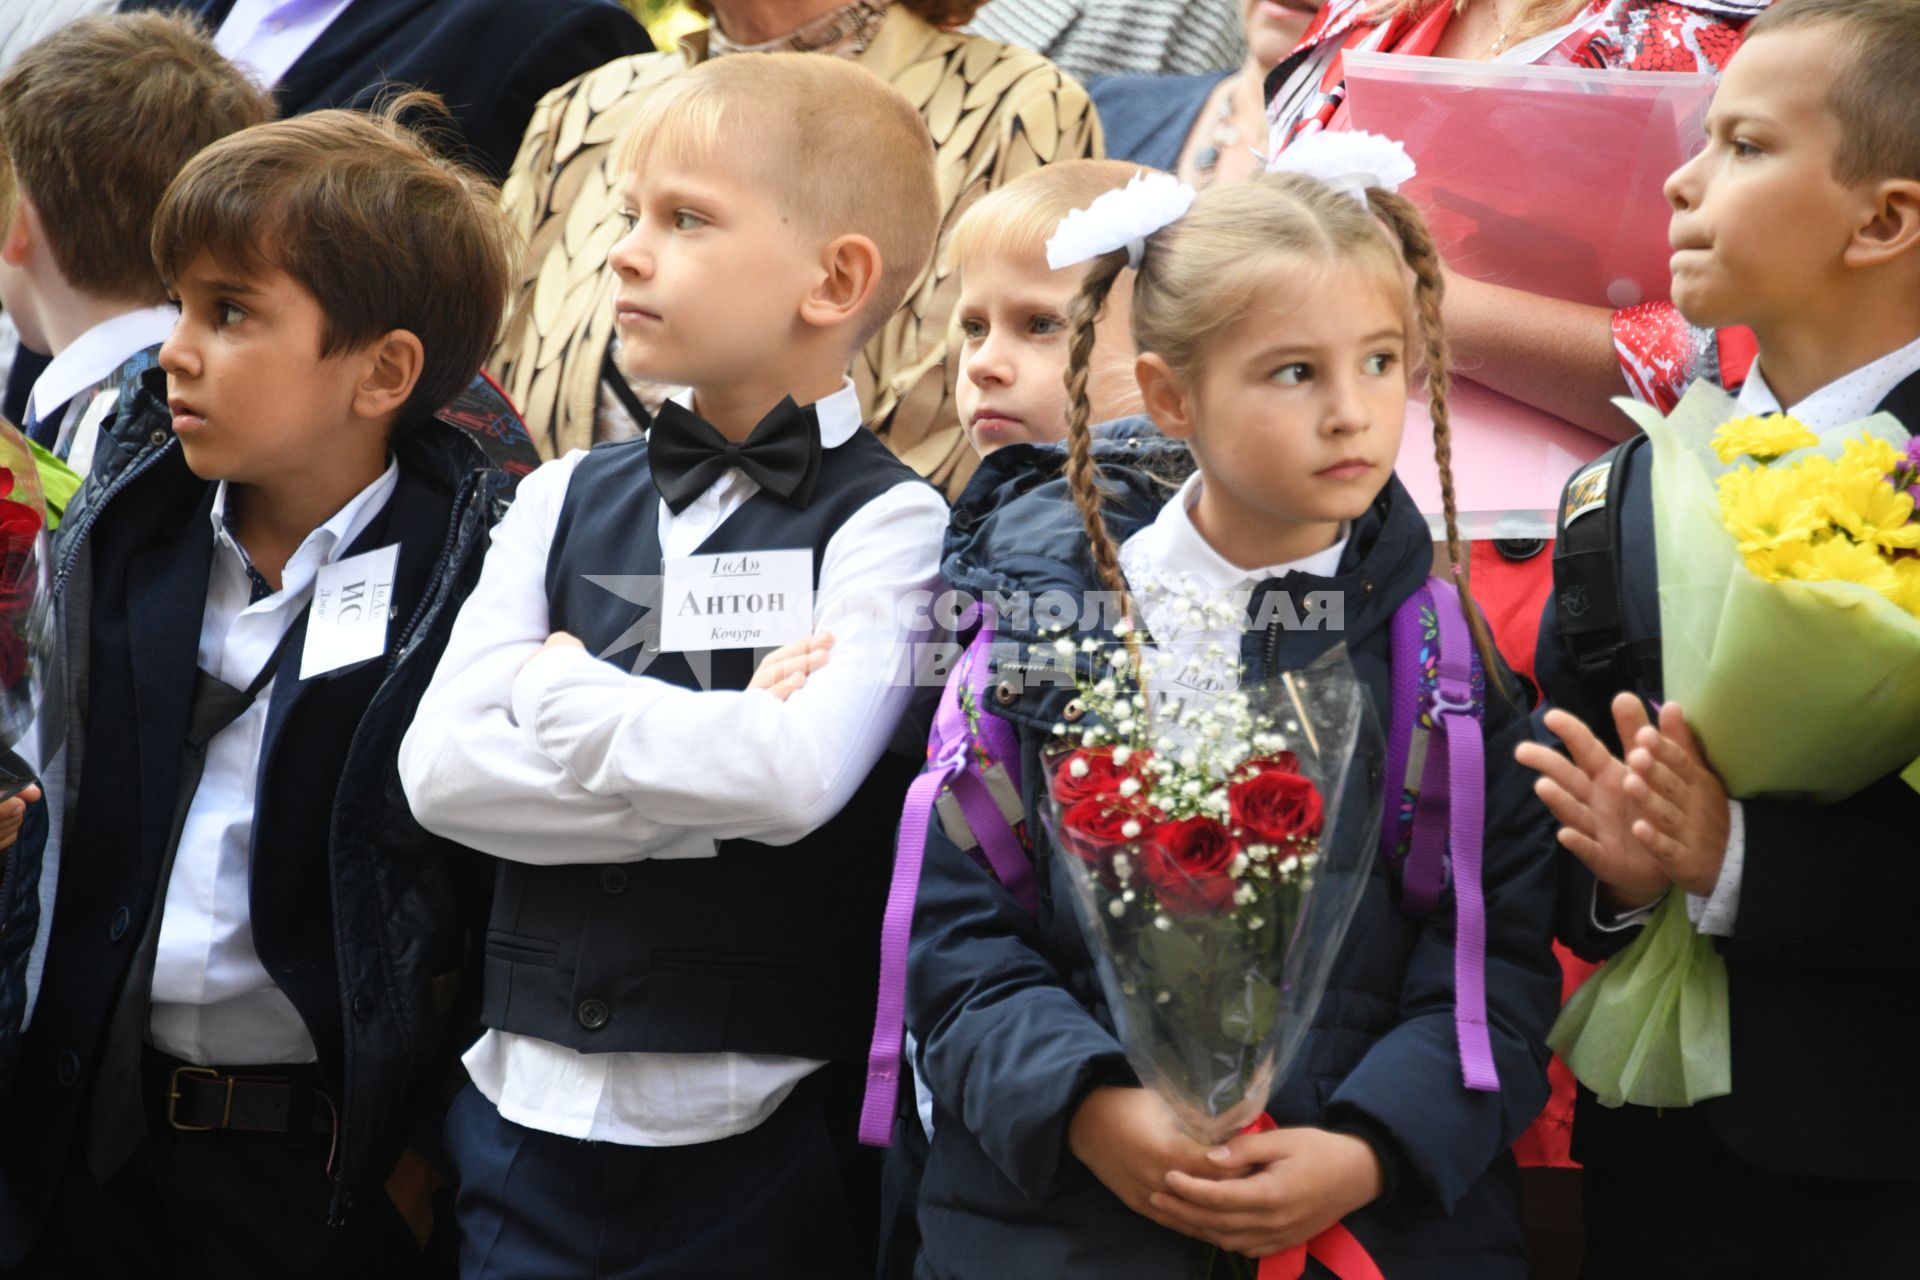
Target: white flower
<point x="1122" y="865"/>
<point x="1163" y="997"/>
<point x="1244" y="895"/>
<point x="1116" y="908"/>
<point x="1347" y="161"/>
<point x="1078" y="768"/>
<point x="1130" y="829"/>
<point x="1238" y="867"/>
<point x="1121" y="755"/>
<point x="1063" y="647"/>
<point x="1161" y="922"/>
<point x="1256" y="923"/>
<point x="1130" y="787"/>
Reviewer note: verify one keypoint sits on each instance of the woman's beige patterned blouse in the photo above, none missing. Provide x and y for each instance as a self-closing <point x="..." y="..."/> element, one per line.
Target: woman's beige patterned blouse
<point x="994" y="111"/>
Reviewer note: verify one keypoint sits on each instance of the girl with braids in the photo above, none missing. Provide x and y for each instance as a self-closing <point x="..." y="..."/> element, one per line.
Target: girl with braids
<point x="1277" y="333"/>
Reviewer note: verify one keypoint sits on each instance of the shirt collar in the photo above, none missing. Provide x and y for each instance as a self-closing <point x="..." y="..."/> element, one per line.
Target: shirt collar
<point x="1174" y="549"/>
<point x="326" y="544"/>
<point x="1847" y="398"/>
<point x="96" y="353"/>
<point x="839" y="413"/>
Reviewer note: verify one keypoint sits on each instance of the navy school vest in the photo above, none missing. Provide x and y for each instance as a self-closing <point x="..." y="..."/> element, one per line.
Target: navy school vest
<point x="761" y="949"/>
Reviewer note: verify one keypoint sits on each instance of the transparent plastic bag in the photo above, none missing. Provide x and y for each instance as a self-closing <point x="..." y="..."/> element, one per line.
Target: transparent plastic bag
<point x="1215" y="911"/>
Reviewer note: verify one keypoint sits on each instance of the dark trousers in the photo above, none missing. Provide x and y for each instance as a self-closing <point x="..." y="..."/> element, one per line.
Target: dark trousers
<point x="796" y="1198"/>
<point x="219" y="1206"/>
<point x="1721" y="1218"/>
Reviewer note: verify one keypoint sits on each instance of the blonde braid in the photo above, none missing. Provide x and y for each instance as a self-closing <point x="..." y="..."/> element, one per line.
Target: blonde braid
<point x="1083" y="479"/>
<point x="1416" y="246"/>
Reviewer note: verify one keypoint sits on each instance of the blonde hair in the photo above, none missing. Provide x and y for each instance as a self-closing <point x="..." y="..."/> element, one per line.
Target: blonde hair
<point x="1017" y="220"/>
<point x="1536" y="17"/>
<point x="1195" y="282"/>
<point x="835" y="146"/>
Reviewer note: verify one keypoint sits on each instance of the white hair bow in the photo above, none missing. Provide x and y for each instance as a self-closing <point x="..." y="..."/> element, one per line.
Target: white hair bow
<point x="1348" y="162"/>
<point x="1119" y="219"/>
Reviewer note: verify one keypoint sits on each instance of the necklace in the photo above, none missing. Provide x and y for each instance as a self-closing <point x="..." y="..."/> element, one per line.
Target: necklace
<point x="1499" y="41"/>
<point x="1224" y="133"/>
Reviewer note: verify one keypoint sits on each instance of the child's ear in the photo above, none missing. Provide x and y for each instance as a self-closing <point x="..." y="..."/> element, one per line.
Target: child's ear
<point x="16" y="238"/>
<point x="850" y="274"/>
<point x="393" y="364"/>
<point x="1894" y="228"/>
<point x="1164" y="393"/>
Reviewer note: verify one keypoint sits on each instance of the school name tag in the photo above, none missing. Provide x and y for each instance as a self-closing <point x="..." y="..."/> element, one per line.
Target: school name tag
<point x="737" y="600"/>
<point x="352" y="604"/>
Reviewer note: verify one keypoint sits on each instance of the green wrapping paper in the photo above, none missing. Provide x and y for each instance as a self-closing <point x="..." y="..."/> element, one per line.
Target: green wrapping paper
<point x="1801" y="689"/>
<point x="1651" y="1026"/>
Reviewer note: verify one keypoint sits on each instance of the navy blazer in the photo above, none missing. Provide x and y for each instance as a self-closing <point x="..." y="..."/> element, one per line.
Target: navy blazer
<point x="1822" y="971"/>
<point x="492" y="60"/>
<point x="1010" y="1020"/>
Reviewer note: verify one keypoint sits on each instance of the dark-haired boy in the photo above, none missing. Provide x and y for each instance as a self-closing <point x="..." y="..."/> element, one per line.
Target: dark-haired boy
<point x="1801" y="219"/>
<point x="243" y="1019"/>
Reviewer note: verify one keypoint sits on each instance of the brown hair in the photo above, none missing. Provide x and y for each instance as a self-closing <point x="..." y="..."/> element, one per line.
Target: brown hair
<point x="1872" y="97"/>
<point x="945" y="14"/>
<point x="835" y="146"/>
<point x="96" y="119"/>
<point x="1195" y="281"/>
<point x="384" y="233"/>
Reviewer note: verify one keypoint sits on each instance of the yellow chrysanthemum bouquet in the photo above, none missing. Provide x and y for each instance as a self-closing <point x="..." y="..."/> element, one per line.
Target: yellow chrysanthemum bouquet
<point x="1789" y="565"/>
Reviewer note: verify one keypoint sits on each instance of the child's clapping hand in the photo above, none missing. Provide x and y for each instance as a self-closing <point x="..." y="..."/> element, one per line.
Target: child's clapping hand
<point x="1659" y="817"/>
<point x="1684" y="817"/>
<point x="1272" y="1191"/>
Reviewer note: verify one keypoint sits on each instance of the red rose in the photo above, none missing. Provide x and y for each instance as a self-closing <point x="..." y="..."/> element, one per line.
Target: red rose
<point x="1284" y="760"/>
<point x="19" y="581"/>
<point x="1093" y="829"/>
<point x="1275" y="805"/>
<point x="1102" y="777"/>
<point x="1188" y="862"/>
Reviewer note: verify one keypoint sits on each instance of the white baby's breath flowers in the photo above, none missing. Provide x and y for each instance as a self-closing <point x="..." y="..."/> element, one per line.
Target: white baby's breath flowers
<point x="1078" y="768"/>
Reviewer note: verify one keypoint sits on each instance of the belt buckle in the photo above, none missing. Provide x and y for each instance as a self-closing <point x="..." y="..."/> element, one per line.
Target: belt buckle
<point x="173" y="1099"/>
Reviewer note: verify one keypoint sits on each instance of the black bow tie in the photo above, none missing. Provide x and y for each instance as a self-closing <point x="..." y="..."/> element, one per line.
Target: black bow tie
<point x="688" y="454"/>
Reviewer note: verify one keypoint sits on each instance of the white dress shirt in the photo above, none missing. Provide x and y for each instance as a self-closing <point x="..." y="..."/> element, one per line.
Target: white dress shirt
<point x="72" y="378"/>
<point x="569" y="759"/>
<point x="1194" y="600"/>
<point x="213" y="1002"/>
<point x="266" y="37"/>
<point x="1845" y="399"/>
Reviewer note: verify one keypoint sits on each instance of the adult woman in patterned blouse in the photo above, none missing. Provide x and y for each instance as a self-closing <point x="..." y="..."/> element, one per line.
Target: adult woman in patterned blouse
<point x="994" y="112"/>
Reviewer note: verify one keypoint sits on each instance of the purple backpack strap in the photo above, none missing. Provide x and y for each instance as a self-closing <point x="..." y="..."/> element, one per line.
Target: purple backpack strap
<point x="954" y="764"/>
<point x="1434" y="684"/>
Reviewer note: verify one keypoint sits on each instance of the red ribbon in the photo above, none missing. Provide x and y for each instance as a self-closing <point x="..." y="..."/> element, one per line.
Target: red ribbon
<point x="1335" y="1247"/>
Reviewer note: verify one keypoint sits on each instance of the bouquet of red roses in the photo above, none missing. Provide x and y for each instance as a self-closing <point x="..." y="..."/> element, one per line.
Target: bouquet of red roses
<point x="27" y="639"/>
<point x="1218" y="847"/>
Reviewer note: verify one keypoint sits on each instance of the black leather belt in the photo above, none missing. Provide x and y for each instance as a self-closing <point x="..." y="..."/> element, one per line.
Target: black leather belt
<point x="196" y="1099"/>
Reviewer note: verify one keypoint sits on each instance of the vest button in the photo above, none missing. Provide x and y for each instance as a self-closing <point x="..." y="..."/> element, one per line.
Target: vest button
<point x="118" y="929"/>
<point x="1005" y="693"/>
<point x="363" y="1007"/>
<point x="592" y="1014"/>
<point x="614" y="879"/>
<point x="1074" y="710"/>
<point x="69" y="1069"/>
<point x="158" y="436"/>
